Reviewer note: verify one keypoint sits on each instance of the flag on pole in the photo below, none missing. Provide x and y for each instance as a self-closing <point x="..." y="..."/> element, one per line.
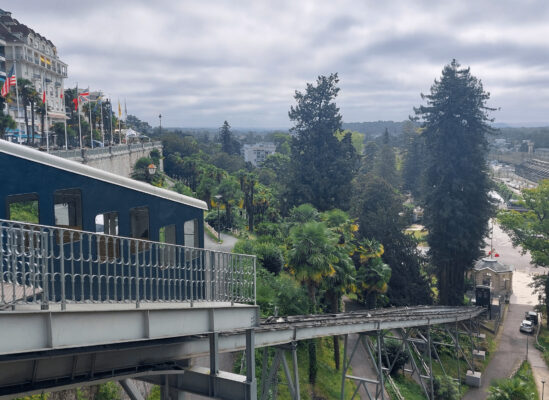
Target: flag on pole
<point x="75" y="101"/>
<point x="84" y="96"/>
<point x="119" y="110"/>
<point x="44" y="96"/>
<point x="10" y="81"/>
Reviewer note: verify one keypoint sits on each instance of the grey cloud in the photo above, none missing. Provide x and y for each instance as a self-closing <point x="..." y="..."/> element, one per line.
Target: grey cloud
<point x="200" y="63"/>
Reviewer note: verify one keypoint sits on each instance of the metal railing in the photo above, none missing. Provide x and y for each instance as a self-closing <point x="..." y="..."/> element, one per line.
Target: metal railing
<point x="44" y="265"/>
<point x="98" y="151"/>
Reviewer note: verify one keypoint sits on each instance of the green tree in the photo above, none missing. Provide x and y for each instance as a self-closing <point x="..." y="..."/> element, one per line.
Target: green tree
<point x="385" y="163"/>
<point x="343" y="279"/>
<point x="380" y="213"/>
<point x="28" y="98"/>
<point x="311" y="258"/>
<point x="456" y="203"/>
<point x="248" y="182"/>
<point x="530" y="230"/>
<point x="395" y="356"/>
<point x="41" y="108"/>
<point x="231" y="195"/>
<point x="414" y="161"/>
<point x="6" y="121"/>
<point x="321" y="165"/>
<point x="510" y="389"/>
<point x="229" y="144"/>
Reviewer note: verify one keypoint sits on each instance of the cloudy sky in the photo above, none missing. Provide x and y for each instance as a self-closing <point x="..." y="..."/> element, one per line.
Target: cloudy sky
<point x="202" y="62"/>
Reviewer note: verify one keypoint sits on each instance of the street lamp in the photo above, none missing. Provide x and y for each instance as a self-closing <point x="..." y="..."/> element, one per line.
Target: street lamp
<point x="542" y="389"/>
<point x="218" y="198"/>
<point x="160" y="120"/>
<point x="151" y="169"/>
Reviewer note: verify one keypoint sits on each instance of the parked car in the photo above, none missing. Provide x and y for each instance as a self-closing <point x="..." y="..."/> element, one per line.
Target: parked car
<point x="531" y="316"/>
<point x="527" y="326"/>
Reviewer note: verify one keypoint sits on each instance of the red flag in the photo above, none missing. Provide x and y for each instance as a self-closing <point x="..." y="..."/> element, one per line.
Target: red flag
<point x="75" y="101"/>
<point x="44" y="97"/>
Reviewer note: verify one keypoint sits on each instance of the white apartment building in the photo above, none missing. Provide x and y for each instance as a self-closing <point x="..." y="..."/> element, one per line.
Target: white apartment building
<point x="257" y="153"/>
<point x="35" y="59"/>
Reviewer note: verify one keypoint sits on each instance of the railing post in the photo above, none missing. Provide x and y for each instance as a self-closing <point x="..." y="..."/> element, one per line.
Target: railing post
<point x="137" y="305"/>
<point x="231" y="279"/>
<point x="191" y="267"/>
<point x="255" y="281"/>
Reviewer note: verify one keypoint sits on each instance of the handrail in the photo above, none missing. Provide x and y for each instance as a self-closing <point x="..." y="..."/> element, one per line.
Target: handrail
<point x="116" y="149"/>
<point x="43" y="265"/>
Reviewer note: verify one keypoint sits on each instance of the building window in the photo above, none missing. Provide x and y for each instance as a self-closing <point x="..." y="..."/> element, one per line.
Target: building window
<point x="139" y="226"/>
<point x="191" y="233"/>
<point x="23" y="208"/>
<point x="67" y="205"/>
<point x="107" y="224"/>
<point x="166" y="234"/>
<point x="139" y="221"/>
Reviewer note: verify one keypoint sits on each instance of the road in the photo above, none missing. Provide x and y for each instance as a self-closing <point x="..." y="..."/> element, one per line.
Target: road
<point x="512" y="343"/>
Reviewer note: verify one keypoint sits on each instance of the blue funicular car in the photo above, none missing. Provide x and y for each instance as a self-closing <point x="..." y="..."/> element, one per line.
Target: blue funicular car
<point x="73" y="233"/>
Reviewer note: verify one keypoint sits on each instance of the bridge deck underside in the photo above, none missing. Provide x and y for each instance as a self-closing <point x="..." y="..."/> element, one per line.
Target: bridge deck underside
<point x="157" y="345"/>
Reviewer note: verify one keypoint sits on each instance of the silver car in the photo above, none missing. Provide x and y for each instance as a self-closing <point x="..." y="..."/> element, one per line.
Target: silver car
<point x="527" y="326"/>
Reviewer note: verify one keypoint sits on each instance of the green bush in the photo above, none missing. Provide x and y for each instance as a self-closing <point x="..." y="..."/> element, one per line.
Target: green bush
<point x="393" y="347"/>
<point x="445" y="388"/>
<point x="109" y="391"/>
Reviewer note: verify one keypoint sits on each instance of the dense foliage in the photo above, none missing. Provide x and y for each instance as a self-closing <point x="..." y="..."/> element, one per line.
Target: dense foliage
<point x="530" y="230"/>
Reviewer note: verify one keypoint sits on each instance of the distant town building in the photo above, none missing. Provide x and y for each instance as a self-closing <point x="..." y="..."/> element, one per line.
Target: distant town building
<point x="36" y="59"/>
<point x="257" y="153"/>
<point x="490" y="272"/>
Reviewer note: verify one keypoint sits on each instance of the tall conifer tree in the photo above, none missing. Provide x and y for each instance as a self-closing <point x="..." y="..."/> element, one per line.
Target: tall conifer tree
<point x="457" y="206"/>
<point x="322" y="166"/>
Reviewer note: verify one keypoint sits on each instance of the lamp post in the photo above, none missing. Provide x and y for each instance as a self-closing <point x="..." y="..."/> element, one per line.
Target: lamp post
<point x="160" y="121"/>
<point x="218" y="198"/>
<point x="542" y="389"/>
<point x="151" y="170"/>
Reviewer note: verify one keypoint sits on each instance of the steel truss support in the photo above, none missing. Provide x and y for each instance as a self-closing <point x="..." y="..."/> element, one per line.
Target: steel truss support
<point x="210" y="382"/>
<point x="130" y="389"/>
<point x="269" y="376"/>
<point x="363" y="340"/>
<point x="421" y="360"/>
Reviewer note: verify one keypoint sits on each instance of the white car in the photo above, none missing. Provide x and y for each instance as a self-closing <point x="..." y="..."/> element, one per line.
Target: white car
<point x="527" y="326"/>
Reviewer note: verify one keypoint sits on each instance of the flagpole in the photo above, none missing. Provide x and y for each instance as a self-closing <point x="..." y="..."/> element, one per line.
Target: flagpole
<point x="46" y="112"/>
<point x="66" y="138"/>
<point x="17" y="97"/>
<point x="102" y="123"/>
<point x="91" y="126"/>
<point x="110" y="120"/>
<point x="119" y="127"/>
<point x="78" y="112"/>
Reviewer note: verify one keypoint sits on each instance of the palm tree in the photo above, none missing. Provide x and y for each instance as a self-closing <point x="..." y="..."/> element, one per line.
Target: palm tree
<point x="41" y="108"/>
<point x="27" y="90"/>
<point x="311" y="258"/>
<point x="231" y="194"/>
<point x="510" y="389"/>
<point x="343" y="280"/>
<point x="312" y="255"/>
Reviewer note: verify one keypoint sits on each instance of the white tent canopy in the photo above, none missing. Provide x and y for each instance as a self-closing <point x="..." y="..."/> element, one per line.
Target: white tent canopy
<point x="130" y="133"/>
